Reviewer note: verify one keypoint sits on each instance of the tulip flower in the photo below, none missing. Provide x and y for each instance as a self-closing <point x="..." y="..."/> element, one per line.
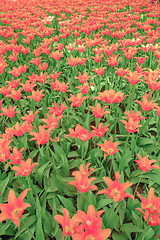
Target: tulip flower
<point x="14" y="208"/>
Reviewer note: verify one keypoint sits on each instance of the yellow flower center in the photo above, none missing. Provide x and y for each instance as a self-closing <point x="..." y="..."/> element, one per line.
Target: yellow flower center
<point x="151" y="206"/>
<point x="151" y="220"/>
<point x="83" y="136"/>
<point x="69" y="229"/>
<point x="89" y="222"/>
<point x="110" y="150"/>
<point x="90" y="237"/>
<point x="16" y="212"/>
<point x="115" y="193"/>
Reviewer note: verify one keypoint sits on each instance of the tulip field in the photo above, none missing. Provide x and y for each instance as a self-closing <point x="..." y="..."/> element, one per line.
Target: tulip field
<point x="79" y="120"/>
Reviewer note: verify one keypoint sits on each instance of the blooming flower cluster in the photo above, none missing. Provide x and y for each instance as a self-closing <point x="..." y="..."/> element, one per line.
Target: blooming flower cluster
<point x="89" y="228"/>
<point x="151" y="205"/>
<point x="133" y="121"/>
<point x="82" y="183"/>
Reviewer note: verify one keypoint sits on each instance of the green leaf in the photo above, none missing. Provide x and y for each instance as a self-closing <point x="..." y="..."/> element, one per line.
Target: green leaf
<point x="58" y="233"/>
<point x="27" y="235"/>
<point x="65" y="167"/>
<point x="119" y="236"/>
<point x="24" y="141"/>
<point x="52" y="184"/>
<point x="94" y="153"/>
<point x="137" y="220"/>
<point x="33" y="154"/>
<point x="85" y="148"/>
<point x="67" y="204"/>
<point x="58" y="149"/>
<point x="113" y="220"/>
<point x="122" y="209"/>
<point x="39" y="230"/>
<point x="48" y="226"/>
<point x="145" y="141"/>
<point x="6" y="228"/>
<point x="149" y="234"/>
<point x="26" y="223"/>
<point x="136" y="180"/>
<point x="103" y="202"/>
<point x="133" y="143"/>
<point x="155" y="238"/>
<point x="130" y="227"/>
<point x="3" y="176"/>
<point x="115" y="166"/>
<point x="122" y="128"/>
<point x="41" y="172"/>
<point x="125" y="159"/>
<point x="38" y="207"/>
<point x="43" y="204"/>
<point x="72" y="154"/>
<point x="154" y="177"/>
<point x="87" y="121"/>
<point x="3" y="185"/>
<point x="144" y="127"/>
<point x="44" y="157"/>
<point x="90" y="200"/>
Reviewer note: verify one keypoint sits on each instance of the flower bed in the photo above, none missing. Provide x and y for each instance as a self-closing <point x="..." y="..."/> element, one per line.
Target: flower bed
<point x="79" y="112"/>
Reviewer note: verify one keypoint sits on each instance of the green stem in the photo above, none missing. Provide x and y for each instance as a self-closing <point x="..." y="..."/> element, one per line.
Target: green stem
<point x="127" y="140"/>
<point x="137" y="184"/>
<point x="113" y="78"/>
<point x="150" y="60"/>
<point x="94" y="142"/>
<point x="89" y="59"/>
<point x="97" y="122"/>
<point x="119" y="83"/>
<point x="131" y="62"/>
<point x="3" y="81"/>
<point x="57" y="65"/>
<point x="27" y="177"/>
<point x="33" y="105"/>
<point x="80" y="200"/>
<point x="116" y="115"/>
<point x="110" y="171"/>
<point x="67" y="237"/>
<point x="52" y="159"/>
<point x="131" y="96"/>
<point x="110" y="108"/>
<point x="150" y="95"/>
<point x="82" y="151"/>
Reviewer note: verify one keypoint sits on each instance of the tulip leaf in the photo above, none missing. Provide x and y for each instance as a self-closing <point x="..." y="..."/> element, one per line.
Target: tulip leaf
<point x="3" y="185"/>
<point x="39" y="229"/>
<point x="67" y="204"/>
<point x="130" y="227"/>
